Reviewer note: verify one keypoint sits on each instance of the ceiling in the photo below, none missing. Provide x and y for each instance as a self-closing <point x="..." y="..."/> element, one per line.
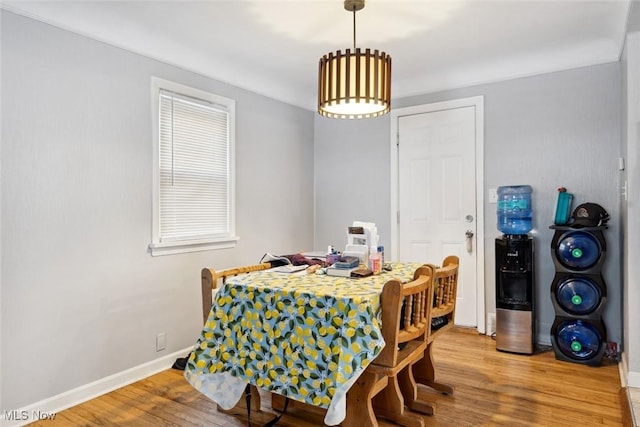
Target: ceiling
<point x="273" y="47"/>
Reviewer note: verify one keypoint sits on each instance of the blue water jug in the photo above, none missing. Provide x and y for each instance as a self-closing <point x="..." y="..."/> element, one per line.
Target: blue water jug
<point x="578" y="250"/>
<point x="578" y="339"/>
<point x="514" y="209"/>
<point x="578" y="295"/>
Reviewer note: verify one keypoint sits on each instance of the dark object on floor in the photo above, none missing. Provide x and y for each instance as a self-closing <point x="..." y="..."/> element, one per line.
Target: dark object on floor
<point x="438" y="322"/>
<point x="181" y="363"/>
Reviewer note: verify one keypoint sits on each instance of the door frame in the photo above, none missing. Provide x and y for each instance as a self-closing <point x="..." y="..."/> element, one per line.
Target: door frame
<point x="478" y="103"/>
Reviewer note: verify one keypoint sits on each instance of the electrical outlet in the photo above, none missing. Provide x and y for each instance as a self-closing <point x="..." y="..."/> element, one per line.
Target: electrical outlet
<point x="161" y="341"/>
<point x="493" y="195"/>
<point x="491" y="327"/>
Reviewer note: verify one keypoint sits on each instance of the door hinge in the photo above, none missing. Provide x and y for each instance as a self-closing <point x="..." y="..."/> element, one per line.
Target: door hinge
<point x="398" y="217"/>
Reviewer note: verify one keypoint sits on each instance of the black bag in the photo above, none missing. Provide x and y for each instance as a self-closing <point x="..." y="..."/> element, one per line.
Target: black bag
<point x="181" y="362"/>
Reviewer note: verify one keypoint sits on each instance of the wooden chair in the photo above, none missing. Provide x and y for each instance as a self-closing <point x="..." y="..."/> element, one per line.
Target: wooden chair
<point x="406" y="314"/>
<point x="444" y="306"/>
<point x="210" y="279"/>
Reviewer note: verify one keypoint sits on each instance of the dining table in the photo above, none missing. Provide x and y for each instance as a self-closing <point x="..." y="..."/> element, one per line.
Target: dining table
<point x="307" y="337"/>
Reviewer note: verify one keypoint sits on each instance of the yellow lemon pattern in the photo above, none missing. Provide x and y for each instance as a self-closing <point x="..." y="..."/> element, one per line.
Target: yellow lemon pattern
<point x="302" y="336"/>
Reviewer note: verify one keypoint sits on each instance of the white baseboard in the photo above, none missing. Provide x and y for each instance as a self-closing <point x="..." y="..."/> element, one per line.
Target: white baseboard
<point x="622" y="369"/>
<point x="633" y="379"/>
<point x="49" y="407"/>
<point x="627" y="378"/>
<point x="633" y="412"/>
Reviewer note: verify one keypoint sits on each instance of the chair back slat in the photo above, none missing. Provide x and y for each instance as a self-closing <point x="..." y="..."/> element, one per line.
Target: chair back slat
<point x="445" y="293"/>
<point x="405" y="314"/>
<point x="446" y="279"/>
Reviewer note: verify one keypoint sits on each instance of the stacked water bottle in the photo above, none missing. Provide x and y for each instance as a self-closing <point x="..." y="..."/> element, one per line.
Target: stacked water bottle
<point x="578" y="290"/>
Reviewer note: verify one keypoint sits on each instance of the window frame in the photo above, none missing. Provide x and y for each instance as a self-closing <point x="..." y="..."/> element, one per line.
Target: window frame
<point x="157" y="246"/>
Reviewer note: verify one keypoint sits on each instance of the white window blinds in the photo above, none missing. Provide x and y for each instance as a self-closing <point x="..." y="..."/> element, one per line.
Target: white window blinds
<point x="194" y="201"/>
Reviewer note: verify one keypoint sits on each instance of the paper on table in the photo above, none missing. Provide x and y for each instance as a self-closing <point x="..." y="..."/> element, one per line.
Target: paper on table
<point x="289" y="268"/>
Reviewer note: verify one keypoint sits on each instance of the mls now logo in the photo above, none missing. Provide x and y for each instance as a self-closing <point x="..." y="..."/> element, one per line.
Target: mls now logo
<point x="16" y="415"/>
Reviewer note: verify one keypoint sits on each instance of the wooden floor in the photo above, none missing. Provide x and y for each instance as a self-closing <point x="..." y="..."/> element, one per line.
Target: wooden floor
<point x="492" y="389"/>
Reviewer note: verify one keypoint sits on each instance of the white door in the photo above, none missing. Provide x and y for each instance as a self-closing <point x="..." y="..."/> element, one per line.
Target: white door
<point x="437" y="197"/>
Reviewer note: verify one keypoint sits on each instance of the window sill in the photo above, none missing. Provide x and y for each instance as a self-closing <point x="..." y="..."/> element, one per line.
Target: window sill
<point x="170" y="248"/>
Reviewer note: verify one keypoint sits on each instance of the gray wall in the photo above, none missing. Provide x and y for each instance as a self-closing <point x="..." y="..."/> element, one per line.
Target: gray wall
<point x="631" y="144"/>
<point x="630" y="66"/>
<point x="352" y="178"/>
<point x="552" y="130"/>
<point x="633" y="22"/>
<point x="81" y="296"/>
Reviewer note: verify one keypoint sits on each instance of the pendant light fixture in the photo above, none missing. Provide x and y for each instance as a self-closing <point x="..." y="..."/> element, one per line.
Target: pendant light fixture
<point x="354" y="84"/>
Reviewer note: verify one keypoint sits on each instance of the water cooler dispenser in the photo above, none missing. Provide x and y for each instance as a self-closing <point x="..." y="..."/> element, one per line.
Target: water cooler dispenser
<point x="515" y="314"/>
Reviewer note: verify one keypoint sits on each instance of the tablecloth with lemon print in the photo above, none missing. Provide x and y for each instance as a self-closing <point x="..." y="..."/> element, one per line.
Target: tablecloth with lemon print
<point x="307" y="337"/>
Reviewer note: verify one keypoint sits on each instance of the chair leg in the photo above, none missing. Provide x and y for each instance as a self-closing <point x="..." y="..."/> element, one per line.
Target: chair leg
<point x="359" y="397"/>
<point x="389" y="404"/>
<point x="409" y="390"/>
<point x="424" y="373"/>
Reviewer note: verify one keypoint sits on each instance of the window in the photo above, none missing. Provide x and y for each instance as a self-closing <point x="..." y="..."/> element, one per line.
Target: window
<point x="193" y="194"/>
